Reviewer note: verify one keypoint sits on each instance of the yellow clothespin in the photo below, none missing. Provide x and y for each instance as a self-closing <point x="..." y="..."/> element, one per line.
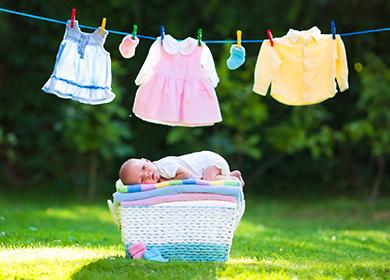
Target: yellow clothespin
<point x="239" y="38"/>
<point x="103" y="26"/>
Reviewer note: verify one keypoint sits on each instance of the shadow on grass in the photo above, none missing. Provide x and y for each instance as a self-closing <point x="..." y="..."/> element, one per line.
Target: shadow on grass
<point x="124" y="268"/>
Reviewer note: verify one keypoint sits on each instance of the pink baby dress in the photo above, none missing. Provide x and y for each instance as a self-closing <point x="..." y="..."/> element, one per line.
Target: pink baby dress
<point x="176" y="84"/>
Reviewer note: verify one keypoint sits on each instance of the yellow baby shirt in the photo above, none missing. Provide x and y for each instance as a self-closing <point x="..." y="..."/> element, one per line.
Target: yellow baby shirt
<point x="302" y="67"/>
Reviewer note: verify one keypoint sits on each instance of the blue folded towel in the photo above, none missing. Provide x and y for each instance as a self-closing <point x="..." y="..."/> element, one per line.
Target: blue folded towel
<point x="154" y="254"/>
<point x="232" y="191"/>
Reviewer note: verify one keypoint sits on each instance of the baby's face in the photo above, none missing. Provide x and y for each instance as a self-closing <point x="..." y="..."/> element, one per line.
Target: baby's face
<point x="141" y="171"/>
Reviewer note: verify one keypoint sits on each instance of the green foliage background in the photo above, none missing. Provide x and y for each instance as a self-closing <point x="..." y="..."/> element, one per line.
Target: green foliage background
<point x="338" y="146"/>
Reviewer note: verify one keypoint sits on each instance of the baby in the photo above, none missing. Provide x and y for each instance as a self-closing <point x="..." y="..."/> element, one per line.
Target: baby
<point x="204" y="165"/>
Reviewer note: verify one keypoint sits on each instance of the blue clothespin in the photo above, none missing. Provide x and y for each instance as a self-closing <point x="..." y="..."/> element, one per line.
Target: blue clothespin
<point x="333" y="29"/>
<point x="162" y="33"/>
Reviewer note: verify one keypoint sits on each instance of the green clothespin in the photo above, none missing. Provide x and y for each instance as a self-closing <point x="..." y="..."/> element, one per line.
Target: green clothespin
<point x="135" y="27"/>
<point x="199" y="37"/>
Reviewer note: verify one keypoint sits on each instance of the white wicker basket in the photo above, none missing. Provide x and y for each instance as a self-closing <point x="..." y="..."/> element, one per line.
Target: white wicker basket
<point x="180" y="232"/>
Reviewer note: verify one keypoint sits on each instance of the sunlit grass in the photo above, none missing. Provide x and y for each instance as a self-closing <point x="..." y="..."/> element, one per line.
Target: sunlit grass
<point x="52" y="238"/>
<point x="54" y="262"/>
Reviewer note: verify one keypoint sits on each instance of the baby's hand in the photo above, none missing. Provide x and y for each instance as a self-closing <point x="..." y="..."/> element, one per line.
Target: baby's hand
<point x="182" y="173"/>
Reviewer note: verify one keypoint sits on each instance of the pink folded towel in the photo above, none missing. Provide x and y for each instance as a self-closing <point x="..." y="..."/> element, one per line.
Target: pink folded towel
<point x="137" y="250"/>
<point x="178" y="197"/>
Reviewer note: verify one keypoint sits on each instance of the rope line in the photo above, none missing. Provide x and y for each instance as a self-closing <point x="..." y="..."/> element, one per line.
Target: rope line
<point x="154" y="38"/>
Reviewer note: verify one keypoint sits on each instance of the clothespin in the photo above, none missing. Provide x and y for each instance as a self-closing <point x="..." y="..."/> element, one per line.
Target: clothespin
<point x="269" y="34"/>
<point x="333" y="29"/>
<point x="162" y="33"/>
<point x="135" y="28"/>
<point x="239" y="33"/>
<point x="103" y="26"/>
<point x="200" y="37"/>
<point x="72" y="18"/>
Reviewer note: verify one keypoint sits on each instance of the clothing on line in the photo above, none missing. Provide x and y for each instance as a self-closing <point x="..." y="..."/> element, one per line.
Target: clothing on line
<point x="176" y="84"/>
<point x="301" y="67"/>
<point x="82" y="71"/>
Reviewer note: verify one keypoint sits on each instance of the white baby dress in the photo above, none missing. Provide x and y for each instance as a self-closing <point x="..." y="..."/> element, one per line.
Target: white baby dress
<point x="82" y="71"/>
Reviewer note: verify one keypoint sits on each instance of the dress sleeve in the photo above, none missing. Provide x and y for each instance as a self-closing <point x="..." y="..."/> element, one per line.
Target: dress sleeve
<point x="208" y="65"/>
<point x="267" y="64"/>
<point x="150" y="62"/>
<point x="341" y="65"/>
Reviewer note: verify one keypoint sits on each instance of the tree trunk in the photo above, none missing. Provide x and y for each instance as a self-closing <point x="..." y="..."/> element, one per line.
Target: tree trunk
<point x="381" y="161"/>
<point x="93" y="166"/>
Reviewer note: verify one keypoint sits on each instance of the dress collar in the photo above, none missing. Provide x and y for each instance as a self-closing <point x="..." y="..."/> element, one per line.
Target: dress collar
<point x="173" y="46"/>
<point x="313" y="32"/>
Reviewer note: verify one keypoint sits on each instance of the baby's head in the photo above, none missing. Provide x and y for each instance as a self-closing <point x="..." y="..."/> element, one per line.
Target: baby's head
<point x="138" y="171"/>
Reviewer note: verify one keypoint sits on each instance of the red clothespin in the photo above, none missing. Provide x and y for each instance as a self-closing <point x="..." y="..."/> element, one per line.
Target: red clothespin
<point x="72" y="17"/>
<point x="269" y="34"/>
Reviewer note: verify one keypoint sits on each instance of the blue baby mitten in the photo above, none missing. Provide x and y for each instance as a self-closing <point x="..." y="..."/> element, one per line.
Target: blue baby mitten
<point x="236" y="58"/>
<point x="154" y="254"/>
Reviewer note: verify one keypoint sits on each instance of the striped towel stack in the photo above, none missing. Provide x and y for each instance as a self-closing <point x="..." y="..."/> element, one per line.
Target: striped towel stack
<point x="214" y="192"/>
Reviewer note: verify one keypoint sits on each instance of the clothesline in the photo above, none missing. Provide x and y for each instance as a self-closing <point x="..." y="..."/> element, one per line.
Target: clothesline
<point x="154" y="38"/>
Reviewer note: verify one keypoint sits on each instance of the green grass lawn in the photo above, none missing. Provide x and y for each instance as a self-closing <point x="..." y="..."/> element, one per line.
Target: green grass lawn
<point x="57" y="238"/>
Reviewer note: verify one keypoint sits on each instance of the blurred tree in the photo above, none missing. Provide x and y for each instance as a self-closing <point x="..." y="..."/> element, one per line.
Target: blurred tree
<point x="372" y="129"/>
<point x="314" y="147"/>
<point x="8" y="145"/>
<point x="96" y="132"/>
